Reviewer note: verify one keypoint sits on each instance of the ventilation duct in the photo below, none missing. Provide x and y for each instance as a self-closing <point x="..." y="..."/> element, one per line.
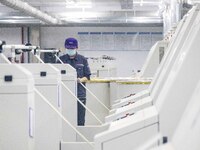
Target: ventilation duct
<point x="30" y="10"/>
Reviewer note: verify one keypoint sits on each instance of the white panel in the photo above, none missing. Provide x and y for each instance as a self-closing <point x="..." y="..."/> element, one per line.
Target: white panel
<point x="131" y="140"/>
<point x="101" y="90"/>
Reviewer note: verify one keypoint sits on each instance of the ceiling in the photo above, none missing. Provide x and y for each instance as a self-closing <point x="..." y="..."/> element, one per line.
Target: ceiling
<point x="87" y="11"/>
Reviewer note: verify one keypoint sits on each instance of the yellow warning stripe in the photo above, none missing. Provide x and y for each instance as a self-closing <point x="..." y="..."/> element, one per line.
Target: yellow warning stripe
<point x="134" y="82"/>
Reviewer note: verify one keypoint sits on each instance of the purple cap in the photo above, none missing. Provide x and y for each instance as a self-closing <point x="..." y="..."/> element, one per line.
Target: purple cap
<point x="71" y="43"/>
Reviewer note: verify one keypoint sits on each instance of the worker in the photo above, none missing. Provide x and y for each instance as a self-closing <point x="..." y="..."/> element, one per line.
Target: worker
<point x="80" y="63"/>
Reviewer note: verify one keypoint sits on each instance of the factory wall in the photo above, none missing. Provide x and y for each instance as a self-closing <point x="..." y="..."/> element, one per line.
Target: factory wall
<point x="11" y="35"/>
<point x="128" y="60"/>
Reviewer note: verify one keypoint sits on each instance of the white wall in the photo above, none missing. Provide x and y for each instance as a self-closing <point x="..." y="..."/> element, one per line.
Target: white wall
<point x="55" y="36"/>
<point x="127" y="61"/>
<point x="11" y="35"/>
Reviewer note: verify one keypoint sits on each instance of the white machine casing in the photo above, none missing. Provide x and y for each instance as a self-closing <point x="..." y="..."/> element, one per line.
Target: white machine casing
<point x="144" y="102"/>
<point x="145" y="93"/>
<point x="140" y="95"/>
<point x="154" y="59"/>
<point x="48" y="123"/>
<point x="186" y="135"/>
<point x="69" y="103"/>
<point x="17" y="127"/>
<point x="164" y="69"/>
<point x="175" y="92"/>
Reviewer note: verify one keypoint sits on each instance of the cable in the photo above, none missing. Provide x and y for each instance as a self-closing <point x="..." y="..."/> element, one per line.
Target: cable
<point x="87" y="88"/>
<point x="76" y="98"/>
<point x="82" y="103"/>
<point x="38" y="57"/>
<point x="59" y="59"/>
<point x="95" y="97"/>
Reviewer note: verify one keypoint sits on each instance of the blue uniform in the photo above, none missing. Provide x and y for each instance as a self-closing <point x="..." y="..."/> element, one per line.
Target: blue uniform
<point x="82" y="68"/>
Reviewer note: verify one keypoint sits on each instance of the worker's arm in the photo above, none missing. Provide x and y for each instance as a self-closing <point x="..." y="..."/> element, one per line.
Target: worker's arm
<point x="87" y="73"/>
<point x="83" y="79"/>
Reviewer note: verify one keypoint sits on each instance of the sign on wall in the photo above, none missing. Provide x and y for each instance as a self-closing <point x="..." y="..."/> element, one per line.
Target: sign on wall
<point x="118" y="40"/>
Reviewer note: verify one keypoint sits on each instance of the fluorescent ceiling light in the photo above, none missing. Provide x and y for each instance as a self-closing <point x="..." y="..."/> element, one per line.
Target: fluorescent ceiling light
<point x="145" y="19"/>
<point x="141" y="3"/>
<point x="76" y="15"/>
<point x="75" y="4"/>
<point x="70" y="2"/>
<point x="8" y="21"/>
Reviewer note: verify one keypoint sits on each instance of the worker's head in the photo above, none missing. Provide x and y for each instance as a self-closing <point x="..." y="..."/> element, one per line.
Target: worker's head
<point x="71" y="45"/>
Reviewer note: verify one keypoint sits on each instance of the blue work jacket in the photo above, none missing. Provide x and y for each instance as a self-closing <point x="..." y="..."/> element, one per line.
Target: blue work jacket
<point x="80" y="63"/>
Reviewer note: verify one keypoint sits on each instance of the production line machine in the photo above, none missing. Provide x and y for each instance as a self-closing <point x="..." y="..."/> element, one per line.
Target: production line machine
<point x="146" y="98"/>
<point x="45" y="76"/>
<point x="126" y="87"/>
<point x="154" y="58"/>
<point x="46" y="130"/>
<point x="69" y="103"/>
<point x="187" y="134"/>
<point x="141" y="125"/>
<point x="174" y="47"/>
<point x="168" y="41"/>
<point x="123" y="87"/>
<point x="42" y="128"/>
<point x="143" y="103"/>
<point x="147" y="124"/>
<point x="81" y="129"/>
<point x="47" y="122"/>
<point x="16" y="108"/>
<point x="129" y="126"/>
<point x="104" y="66"/>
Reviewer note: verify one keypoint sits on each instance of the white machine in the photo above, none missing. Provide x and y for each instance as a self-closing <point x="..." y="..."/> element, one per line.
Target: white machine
<point x="154" y="59"/>
<point x="133" y="105"/>
<point x="104" y="66"/>
<point x="174" y="47"/>
<point x="133" y="130"/>
<point x="13" y="51"/>
<point x="187" y="134"/>
<point x="122" y="88"/>
<point x="48" y="124"/>
<point x="125" y="87"/>
<point x="17" y="127"/>
<point x="69" y="103"/>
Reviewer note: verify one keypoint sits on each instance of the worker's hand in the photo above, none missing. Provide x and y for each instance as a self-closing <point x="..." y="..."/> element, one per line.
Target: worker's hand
<point x="81" y="80"/>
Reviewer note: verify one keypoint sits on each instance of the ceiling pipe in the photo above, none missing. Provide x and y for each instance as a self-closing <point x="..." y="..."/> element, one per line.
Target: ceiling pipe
<point x="30" y="10"/>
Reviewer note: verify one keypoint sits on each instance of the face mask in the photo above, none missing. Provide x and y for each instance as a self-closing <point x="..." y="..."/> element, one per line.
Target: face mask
<point x="71" y="52"/>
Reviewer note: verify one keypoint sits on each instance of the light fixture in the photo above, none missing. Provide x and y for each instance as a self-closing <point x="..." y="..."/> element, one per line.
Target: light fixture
<point x="145" y="20"/>
<point x="76" y="4"/>
<point x="70" y="2"/>
<point x="141" y="3"/>
<point x="76" y="15"/>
